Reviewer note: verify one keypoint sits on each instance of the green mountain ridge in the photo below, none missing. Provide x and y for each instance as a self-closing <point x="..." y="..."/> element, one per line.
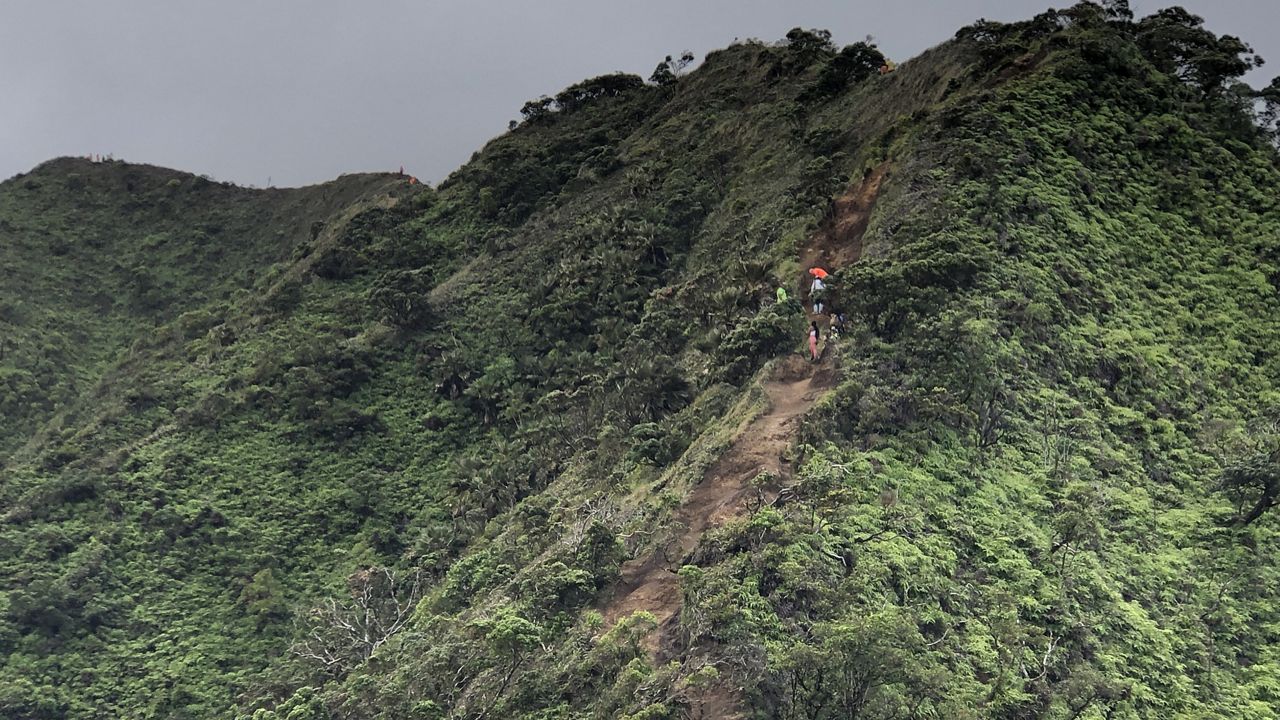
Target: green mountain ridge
<point x="96" y="254"/>
<point x="539" y="442"/>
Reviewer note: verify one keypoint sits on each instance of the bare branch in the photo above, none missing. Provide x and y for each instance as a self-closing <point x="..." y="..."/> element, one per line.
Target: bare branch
<point x="341" y="636"/>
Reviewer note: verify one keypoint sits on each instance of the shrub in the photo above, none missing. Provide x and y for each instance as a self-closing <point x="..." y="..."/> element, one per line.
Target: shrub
<point x="652" y="444"/>
<point x="578" y="95"/>
<point x="556" y="587"/>
<point x="337" y="263"/>
<point x="806" y="46"/>
<point x="400" y="297"/>
<point x="757" y="338"/>
<point x="286" y="294"/>
<point x="853" y="63"/>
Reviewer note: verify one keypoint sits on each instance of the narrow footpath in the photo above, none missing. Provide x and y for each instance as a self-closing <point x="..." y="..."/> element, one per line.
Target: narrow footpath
<point x="649" y="582"/>
<point x="793" y="387"/>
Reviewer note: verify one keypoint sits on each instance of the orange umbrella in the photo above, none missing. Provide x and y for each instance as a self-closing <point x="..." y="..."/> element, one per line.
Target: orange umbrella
<point x="818" y="272"/>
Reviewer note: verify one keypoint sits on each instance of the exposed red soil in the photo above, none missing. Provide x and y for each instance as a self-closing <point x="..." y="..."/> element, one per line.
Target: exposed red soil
<point x="649" y="582"/>
<point x="838" y="241"/>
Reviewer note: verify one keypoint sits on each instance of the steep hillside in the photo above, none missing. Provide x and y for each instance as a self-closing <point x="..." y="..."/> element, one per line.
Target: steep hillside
<point x="537" y="443"/>
<point x="95" y="255"/>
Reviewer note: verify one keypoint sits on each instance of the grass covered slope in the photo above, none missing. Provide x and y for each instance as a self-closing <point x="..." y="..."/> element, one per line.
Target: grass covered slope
<point x="391" y="387"/>
<point x="400" y="473"/>
<point x="95" y="255"/>
<point x="1014" y="507"/>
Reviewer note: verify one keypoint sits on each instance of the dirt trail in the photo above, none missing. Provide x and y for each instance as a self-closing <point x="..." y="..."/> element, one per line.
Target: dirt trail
<point x="649" y="582"/>
<point x="838" y="241"/>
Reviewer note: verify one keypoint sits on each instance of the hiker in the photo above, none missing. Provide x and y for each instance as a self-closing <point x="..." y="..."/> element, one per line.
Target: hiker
<point x="817" y="291"/>
<point x="837" y="324"/>
<point x="813" y="341"/>
<point x="782" y="295"/>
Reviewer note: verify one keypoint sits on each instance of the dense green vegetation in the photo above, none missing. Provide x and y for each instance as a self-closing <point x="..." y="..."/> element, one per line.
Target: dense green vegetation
<point x="95" y="255"/>
<point x="366" y="450"/>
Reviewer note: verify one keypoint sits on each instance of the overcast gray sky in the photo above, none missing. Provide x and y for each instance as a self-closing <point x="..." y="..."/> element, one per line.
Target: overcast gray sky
<point x="300" y="91"/>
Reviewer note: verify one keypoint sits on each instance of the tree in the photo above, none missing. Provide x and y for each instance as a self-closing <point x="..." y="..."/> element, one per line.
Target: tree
<point x="342" y="635"/>
<point x="400" y="297"/>
<point x="510" y="639"/>
<point x="305" y="704"/>
<point x="578" y="95"/>
<point x="495" y="388"/>
<point x="263" y="598"/>
<point x="1269" y="115"/>
<point x="538" y="109"/>
<point x="1118" y="9"/>
<point x="838" y="671"/>
<point x="1178" y="44"/>
<point x="809" y="43"/>
<point x="853" y="63"/>
<point x="669" y="70"/>
<point x="649" y="386"/>
<point x="1258" y="477"/>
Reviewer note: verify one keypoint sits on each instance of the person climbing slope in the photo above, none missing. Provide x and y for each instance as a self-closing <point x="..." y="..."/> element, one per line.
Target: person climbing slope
<point x="813" y="341"/>
<point x="817" y="293"/>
